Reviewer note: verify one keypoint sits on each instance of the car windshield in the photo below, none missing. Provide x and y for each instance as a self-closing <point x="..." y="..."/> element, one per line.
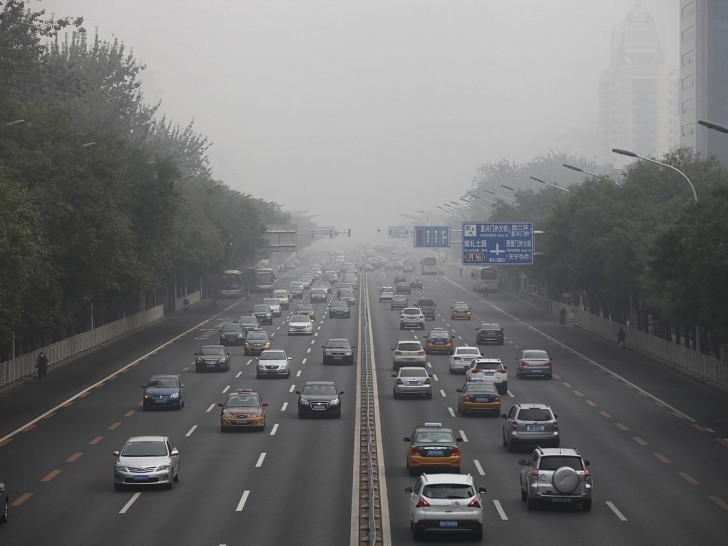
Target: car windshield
<point x="480" y="387"/>
<point x="257" y="336"/>
<point x="413" y="372"/>
<point x="534" y="414"/>
<point x="411" y="311"/>
<point x="434" y="437"/>
<point x="409" y="346"/>
<point x="273" y="355"/>
<point x="448" y="491"/>
<point x="338" y="343"/>
<point x="554" y="463"/>
<point x="439" y="335"/>
<point x="231" y="328"/>
<point x="242" y="401"/>
<point x="538" y="355"/>
<point x="162" y="382"/>
<point x="212" y="351"/>
<point x="468" y="351"/>
<point x="261" y="308"/>
<point x="145" y="448"/>
<point x="319" y="389"/>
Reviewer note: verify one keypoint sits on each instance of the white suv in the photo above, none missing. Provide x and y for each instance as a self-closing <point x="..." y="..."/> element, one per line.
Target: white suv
<point x="556" y="476"/>
<point x="408" y="353"/>
<point x="491" y="370"/>
<point x="411" y="317"/>
<point x="444" y="504"/>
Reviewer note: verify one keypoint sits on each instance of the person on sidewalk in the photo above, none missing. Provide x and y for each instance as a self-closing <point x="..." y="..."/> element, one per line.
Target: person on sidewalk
<point x="41" y="364"/>
<point x="562" y="316"/>
<point x="621" y="336"/>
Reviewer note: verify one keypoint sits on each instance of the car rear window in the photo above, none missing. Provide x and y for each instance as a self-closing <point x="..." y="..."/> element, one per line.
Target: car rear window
<point x="554" y="463"/>
<point x="535" y="414"/>
<point x="536" y="354"/>
<point x="488" y="366"/>
<point x="409" y="346"/>
<point x="448" y="491"/>
<point x="425" y="302"/>
<point x="414" y="372"/>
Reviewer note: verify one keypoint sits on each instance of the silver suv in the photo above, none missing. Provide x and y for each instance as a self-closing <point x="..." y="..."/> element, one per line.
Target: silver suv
<point x="411" y="317"/>
<point x="444" y="504"/>
<point x="530" y="424"/>
<point x="556" y="476"/>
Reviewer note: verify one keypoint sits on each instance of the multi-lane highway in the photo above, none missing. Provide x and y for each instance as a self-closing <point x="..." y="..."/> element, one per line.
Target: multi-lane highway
<point x="656" y="440"/>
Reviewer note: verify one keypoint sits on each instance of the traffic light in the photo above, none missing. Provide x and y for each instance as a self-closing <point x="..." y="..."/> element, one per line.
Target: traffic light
<point x="349" y="232"/>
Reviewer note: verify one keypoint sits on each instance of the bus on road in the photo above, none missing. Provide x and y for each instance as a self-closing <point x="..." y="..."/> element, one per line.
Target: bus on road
<point x="231" y="284"/>
<point x="428" y="265"/>
<point x="485" y="280"/>
<point x="264" y="277"/>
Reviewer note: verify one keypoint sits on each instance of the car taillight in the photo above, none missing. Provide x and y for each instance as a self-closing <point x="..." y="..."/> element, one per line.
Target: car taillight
<point x="456" y="450"/>
<point x="534" y="473"/>
<point x="556" y="425"/>
<point x="548" y="364"/>
<point x="414" y="451"/>
<point x="524" y="363"/>
<point x="475" y="503"/>
<point x="421" y="502"/>
<point x="456" y="358"/>
<point x="420" y="353"/>
<point x="502" y="370"/>
<point x="422" y="317"/>
<point x="514" y="425"/>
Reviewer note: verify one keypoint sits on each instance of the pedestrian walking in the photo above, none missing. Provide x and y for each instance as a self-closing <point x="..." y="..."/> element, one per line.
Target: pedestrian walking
<point x="621" y="336"/>
<point x="41" y="364"/>
<point x="562" y="316"/>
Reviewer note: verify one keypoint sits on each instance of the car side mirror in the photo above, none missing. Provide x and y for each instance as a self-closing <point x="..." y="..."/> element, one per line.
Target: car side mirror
<point x="458" y="390"/>
<point x="181" y="386"/>
<point x="144" y="386"/>
<point x="298" y="392"/>
<point x="408" y="490"/>
<point x="115" y="453"/>
<point x="522" y="462"/>
<point x="556" y="415"/>
<point x="341" y="392"/>
<point x="394" y="375"/>
<point x="264" y="404"/>
<point x="353" y="346"/>
<point x="197" y="354"/>
<point x="323" y="346"/>
<point x="482" y="490"/>
<point x="406" y="439"/>
<point x="587" y="462"/>
<point x="503" y="416"/>
<point x="459" y="439"/>
<point x="174" y="452"/>
<point x="221" y="404"/>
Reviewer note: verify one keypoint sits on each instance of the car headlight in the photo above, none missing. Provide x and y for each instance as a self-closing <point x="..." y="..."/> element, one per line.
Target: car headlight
<point x="256" y="415"/>
<point x="174" y="395"/>
<point x="240" y="336"/>
<point x="146" y="395"/>
<point x="335" y="402"/>
<point x="163" y="467"/>
<point x="348" y="353"/>
<point x="121" y="468"/>
<point x="303" y="402"/>
<point x="227" y="415"/>
<point x="261" y="366"/>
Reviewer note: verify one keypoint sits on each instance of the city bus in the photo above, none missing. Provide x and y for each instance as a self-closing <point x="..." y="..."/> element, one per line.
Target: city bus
<point x="231" y="284"/>
<point x="428" y="265"/>
<point x="264" y="277"/>
<point x="485" y="279"/>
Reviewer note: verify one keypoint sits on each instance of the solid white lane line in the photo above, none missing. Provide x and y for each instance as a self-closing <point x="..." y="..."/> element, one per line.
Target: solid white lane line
<point x="284" y="406"/>
<point x="452" y="412"/>
<point x="260" y="460"/>
<point x="134" y="497"/>
<point x="617" y="513"/>
<point x="226" y="389"/>
<point x="189" y="432"/>
<point x="274" y="430"/>
<point x="243" y="499"/>
<point x="208" y="410"/>
<point x="501" y="512"/>
<point x="462" y="434"/>
<point x="478" y="467"/>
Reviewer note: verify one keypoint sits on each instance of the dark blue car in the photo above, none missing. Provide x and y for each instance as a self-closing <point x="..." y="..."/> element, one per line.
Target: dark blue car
<point x="163" y="391"/>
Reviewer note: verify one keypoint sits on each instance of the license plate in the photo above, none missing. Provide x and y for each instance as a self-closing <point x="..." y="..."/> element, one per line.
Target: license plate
<point x="561" y="500"/>
<point x="535" y="371"/>
<point x="448" y="524"/>
<point x="489" y="374"/>
<point x="338" y="357"/>
<point x="436" y="453"/>
<point x="413" y="382"/>
<point x="241" y="421"/>
<point x="318" y="407"/>
<point x="482" y="399"/>
<point x="142" y="478"/>
<point x="210" y="365"/>
<point x="535" y="428"/>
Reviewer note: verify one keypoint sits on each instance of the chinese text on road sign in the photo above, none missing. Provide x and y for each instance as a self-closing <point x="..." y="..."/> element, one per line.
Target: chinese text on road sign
<point x="504" y="243"/>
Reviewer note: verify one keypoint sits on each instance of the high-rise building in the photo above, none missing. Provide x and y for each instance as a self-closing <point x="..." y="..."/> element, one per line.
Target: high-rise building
<point x="704" y="75"/>
<point x="638" y="92"/>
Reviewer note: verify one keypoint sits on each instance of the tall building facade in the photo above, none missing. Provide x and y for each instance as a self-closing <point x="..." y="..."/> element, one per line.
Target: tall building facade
<point x="638" y="98"/>
<point x="704" y="75"/>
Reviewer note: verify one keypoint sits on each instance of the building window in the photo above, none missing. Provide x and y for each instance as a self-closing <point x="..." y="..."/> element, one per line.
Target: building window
<point x="687" y="106"/>
<point x="688" y="129"/>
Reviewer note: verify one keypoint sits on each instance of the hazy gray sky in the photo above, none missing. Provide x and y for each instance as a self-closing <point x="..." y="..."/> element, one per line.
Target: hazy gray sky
<point x="361" y="110"/>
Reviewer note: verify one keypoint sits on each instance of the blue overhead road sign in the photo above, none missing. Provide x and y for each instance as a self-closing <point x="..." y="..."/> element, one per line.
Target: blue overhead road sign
<point x="497" y="243"/>
<point x="432" y="236"/>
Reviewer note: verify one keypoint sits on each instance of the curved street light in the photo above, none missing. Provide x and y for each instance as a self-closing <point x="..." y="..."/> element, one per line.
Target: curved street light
<point x="14" y="123"/>
<point x="507" y="187"/>
<point x="632" y="154"/>
<point x="549" y="184"/>
<point x="498" y="195"/>
<point x="580" y="170"/>
<point x="712" y="125"/>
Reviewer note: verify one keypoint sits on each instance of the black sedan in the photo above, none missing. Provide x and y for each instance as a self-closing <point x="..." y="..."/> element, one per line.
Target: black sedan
<point x="319" y="399"/>
<point x="339" y="309"/>
<point x="338" y="351"/>
<point x="163" y="391"/>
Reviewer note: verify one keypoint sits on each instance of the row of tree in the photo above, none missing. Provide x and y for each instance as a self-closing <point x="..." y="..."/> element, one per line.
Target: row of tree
<point x="635" y="248"/>
<point x="102" y="200"/>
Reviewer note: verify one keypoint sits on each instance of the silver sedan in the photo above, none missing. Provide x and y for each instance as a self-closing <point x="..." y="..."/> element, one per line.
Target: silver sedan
<point x="412" y="380"/>
<point x="146" y="460"/>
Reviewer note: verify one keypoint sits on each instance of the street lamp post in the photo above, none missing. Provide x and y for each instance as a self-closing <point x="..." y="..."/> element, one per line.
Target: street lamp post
<point x="549" y="184"/>
<point x="712" y="125"/>
<point x="580" y="170"/>
<point x="507" y="187"/>
<point x="632" y="154"/>
<point x="498" y="195"/>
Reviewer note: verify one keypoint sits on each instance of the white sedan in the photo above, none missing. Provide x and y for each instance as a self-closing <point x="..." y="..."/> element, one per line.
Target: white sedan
<point x="461" y="359"/>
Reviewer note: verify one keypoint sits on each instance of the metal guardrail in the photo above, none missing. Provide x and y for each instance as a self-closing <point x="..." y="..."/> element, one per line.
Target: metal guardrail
<point x="22" y="367"/>
<point x="370" y="516"/>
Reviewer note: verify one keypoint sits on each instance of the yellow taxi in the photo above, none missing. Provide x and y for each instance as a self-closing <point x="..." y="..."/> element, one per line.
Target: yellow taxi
<point x="438" y="340"/>
<point x="461" y="311"/>
<point x="478" y="396"/>
<point x="243" y="409"/>
<point x="432" y="446"/>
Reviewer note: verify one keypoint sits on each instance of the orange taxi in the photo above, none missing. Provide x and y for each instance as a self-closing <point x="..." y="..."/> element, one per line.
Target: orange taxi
<point x="461" y="311"/>
<point x="432" y="446"/>
<point x="478" y="396"/>
<point x="438" y="340"/>
<point x="243" y="409"/>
